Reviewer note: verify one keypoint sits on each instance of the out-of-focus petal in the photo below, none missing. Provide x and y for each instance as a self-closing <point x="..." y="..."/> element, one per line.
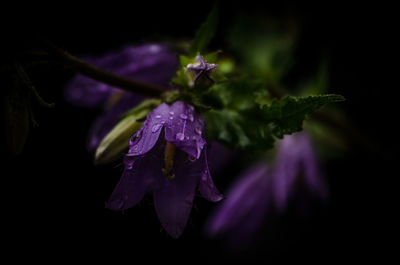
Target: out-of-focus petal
<point x="206" y="186"/>
<point x="149" y="63"/>
<point x="313" y="176"/>
<point x="296" y="163"/>
<point x="185" y="128"/>
<point x="173" y="199"/>
<point x="246" y="202"/>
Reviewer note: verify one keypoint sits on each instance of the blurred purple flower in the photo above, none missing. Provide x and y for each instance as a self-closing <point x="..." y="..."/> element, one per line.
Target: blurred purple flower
<point x="150" y="63"/>
<point x="167" y="157"/>
<point x="242" y="213"/>
<point x="296" y="165"/>
<point x="261" y="190"/>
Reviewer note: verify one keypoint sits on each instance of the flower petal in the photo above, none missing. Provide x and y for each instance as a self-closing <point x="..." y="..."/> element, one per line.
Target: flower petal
<point x="247" y="199"/>
<point x="206" y="186"/>
<point x="136" y="180"/>
<point x="149" y="63"/>
<point x="184" y="129"/>
<point x="145" y="139"/>
<point x="313" y="176"/>
<point x="173" y="198"/>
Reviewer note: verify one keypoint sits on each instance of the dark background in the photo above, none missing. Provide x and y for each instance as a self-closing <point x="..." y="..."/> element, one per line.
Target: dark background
<point x="55" y="196"/>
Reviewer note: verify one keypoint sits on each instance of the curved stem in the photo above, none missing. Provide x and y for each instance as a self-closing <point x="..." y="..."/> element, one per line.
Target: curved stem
<point x="103" y="76"/>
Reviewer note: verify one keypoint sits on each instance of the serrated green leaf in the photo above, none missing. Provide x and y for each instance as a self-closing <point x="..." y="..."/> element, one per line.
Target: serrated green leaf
<point x="287" y="114"/>
<point x="205" y="33"/>
<point x="117" y="140"/>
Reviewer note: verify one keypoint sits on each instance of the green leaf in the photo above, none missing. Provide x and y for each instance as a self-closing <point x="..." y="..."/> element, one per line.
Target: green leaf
<point x="238" y="94"/>
<point x="287" y="114"/>
<point x="116" y="142"/>
<point x="237" y="130"/>
<point x="205" y="33"/>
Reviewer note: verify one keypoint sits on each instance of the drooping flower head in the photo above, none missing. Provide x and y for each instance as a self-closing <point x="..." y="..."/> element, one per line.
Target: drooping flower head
<point x="149" y="63"/>
<point x="167" y="157"/>
<point x="261" y="190"/>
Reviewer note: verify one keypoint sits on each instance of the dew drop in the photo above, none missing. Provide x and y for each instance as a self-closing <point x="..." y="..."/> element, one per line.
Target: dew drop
<point x="171" y="113"/>
<point x="183" y="116"/>
<point x="156" y="127"/>
<point x="191" y="117"/>
<point x="158" y="116"/>
<point x="180" y="136"/>
<point x="171" y="118"/>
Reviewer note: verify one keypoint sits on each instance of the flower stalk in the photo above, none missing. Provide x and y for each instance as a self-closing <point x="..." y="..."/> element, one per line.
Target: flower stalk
<point x="98" y="74"/>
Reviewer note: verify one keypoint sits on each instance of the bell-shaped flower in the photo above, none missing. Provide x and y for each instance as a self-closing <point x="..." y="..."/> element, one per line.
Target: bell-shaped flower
<point x="261" y="190"/>
<point x="167" y="157"/>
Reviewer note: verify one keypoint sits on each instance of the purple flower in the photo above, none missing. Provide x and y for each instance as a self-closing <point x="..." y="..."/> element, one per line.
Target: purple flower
<point x="201" y="68"/>
<point x="245" y="207"/>
<point x="150" y="63"/>
<point x="167" y="157"/>
<point x="262" y="189"/>
<point x="296" y="165"/>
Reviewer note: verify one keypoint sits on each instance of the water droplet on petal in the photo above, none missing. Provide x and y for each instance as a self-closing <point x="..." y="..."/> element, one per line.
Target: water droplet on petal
<point x="171" y="113"/>
<point x="191" y="117"/>
<point x="197" y="130"/>
<point x="183" y="116"/>
<point x="158" y="116"/>
<point x="171" y="118"/>
<point x="180" y="136"/>
<point x="156" y="127"/>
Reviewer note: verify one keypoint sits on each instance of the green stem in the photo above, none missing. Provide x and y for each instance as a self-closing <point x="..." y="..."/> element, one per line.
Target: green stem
<point x="103" y="76"/>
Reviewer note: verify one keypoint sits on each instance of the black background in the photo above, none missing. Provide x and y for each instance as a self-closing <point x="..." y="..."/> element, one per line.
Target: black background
<point x="54" y="196"/>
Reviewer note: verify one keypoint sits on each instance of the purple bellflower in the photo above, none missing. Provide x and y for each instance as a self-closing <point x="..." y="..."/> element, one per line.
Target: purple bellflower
<point x="261" y="190"/>
<point x="201" y="68"/>
<point x="247" y="203"/>
<point x="296" y="165"/>
<point x="167" y="157"/>
<point x="149" y="63"/>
